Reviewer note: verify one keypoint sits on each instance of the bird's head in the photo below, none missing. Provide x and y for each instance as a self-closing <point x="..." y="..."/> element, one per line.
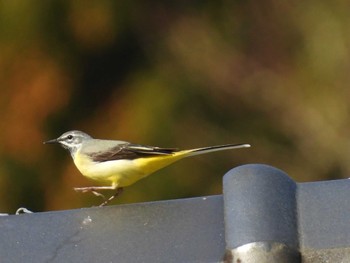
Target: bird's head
<point x="71" y="140"/>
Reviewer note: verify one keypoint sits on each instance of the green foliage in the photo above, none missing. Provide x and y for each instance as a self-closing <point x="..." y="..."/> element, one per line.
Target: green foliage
<point x="180" y="74"/>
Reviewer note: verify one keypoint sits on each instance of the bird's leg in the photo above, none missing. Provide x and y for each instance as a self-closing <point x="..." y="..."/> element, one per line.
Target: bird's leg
<point x="99" y="194"/>
<point x="94" y="190"/>
<point x="117" y="193"/>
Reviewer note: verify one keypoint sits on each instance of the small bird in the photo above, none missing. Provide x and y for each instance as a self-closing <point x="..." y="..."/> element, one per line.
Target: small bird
<point x="120" y="163"/>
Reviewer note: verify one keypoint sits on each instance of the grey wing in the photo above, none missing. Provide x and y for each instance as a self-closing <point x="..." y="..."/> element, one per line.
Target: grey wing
<point x="150" y="150"/>
<point x="129" y="151"/>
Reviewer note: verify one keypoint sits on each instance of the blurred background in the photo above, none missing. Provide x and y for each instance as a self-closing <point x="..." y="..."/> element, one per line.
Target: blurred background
<point x="274" y="74"/>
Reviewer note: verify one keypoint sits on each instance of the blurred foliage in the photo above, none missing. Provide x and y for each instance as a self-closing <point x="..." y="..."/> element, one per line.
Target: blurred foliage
<point x="183" y="74"/>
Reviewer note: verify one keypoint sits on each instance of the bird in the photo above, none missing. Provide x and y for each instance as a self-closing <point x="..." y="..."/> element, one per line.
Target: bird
<point x="116" y="164"/>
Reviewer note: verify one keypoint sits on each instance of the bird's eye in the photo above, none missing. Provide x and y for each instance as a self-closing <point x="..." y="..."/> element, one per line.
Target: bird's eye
<point x="70" y="137"/>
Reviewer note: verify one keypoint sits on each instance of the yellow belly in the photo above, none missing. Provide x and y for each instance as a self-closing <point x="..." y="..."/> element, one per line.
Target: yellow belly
<point x="122" y="173"/>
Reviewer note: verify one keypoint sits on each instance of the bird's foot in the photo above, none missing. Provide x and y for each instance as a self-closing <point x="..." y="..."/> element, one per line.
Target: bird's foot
<point x="95" y="190"/>
<point x="117" y="193"/>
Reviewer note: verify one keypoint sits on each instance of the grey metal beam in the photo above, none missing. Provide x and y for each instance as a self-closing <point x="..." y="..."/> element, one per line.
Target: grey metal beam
<point x="260" y="215"/>
<point x="187" y="230"/>
<point x="270" y="218"/>
<point x="263" y="216"/>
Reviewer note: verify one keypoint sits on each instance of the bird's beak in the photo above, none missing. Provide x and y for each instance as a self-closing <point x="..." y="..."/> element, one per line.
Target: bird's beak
<point x="51" y="141"/>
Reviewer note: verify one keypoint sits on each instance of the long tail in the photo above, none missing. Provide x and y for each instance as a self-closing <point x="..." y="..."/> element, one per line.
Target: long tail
<point x="216" y="148"/>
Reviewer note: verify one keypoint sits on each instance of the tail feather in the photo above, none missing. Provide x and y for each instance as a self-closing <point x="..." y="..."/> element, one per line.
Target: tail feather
<point x="216" y="148"/>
